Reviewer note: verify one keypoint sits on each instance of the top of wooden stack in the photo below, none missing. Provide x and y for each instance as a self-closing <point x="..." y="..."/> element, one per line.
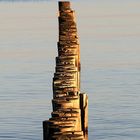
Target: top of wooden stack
<point x="64" y="5"/>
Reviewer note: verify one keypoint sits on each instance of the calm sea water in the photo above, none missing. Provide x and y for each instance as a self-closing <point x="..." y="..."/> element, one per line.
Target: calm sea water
<point x="110" y="55"/>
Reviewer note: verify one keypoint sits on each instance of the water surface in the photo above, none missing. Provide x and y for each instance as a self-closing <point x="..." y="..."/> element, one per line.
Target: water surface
<point x="110" y="38"/>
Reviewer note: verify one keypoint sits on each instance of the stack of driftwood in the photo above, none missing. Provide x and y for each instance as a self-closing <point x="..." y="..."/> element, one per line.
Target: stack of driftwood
<point x="69" y="117"/>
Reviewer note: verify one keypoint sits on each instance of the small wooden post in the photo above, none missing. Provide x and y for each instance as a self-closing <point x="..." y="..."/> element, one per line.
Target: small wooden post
<point x="84" y="113"/>
<point x="70" y="107"/>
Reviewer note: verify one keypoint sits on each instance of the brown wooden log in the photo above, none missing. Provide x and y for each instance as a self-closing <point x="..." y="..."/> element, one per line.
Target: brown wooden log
<point x="69" y="117"/>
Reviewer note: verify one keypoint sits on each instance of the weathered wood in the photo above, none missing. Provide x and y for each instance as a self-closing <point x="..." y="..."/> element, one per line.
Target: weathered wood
<point x="45" y="130"/>
<point x="84" y="112"/>
<point x="64" y="5"/>
<point x="69" y="120"/>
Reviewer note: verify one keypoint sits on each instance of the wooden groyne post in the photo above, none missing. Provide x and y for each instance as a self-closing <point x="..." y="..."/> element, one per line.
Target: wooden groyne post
<point x="69" y="119"/>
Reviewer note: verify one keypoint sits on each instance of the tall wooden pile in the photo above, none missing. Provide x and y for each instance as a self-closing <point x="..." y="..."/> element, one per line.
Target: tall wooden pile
<point x="69" y="119"/>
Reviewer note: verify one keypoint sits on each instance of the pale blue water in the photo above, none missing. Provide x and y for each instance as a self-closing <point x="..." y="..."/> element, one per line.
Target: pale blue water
<point x="110" y="56"/>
